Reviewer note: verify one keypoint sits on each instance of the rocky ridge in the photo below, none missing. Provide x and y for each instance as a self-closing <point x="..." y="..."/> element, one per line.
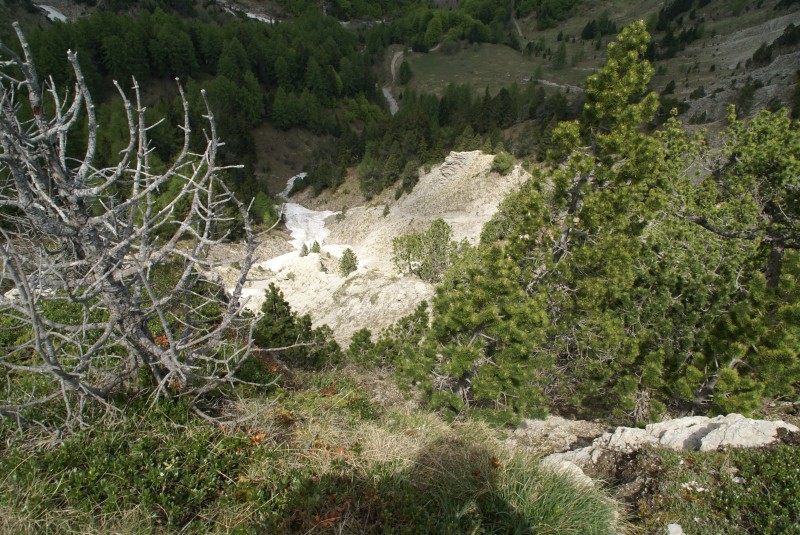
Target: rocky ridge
<point x="565" y="438"/>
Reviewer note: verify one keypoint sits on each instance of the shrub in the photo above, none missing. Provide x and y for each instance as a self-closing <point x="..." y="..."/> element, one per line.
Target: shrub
<point x="503" y="163"/>
<point x="427" y="254"/>
<point x="405" y="73"/>
<point x="348" y="263"/>
<point x="152" y="461"/>
<point x="360" y="346"/>
<point x="280" y="326"/>
<point x="396" y="346"/>
<point x="262" y="210"/>
<point x="745" y="490"/>
<point x="699" y="92"/>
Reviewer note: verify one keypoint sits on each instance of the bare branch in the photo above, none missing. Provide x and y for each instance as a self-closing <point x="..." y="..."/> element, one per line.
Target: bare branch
<point x="108" y="276"/>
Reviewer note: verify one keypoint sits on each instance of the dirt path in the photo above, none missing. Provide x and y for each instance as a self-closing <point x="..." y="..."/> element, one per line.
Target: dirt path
<point x="398" y="56"/>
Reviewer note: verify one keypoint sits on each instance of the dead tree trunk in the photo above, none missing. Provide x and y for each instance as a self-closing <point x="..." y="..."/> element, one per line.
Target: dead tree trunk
<point x="83" y="246"/>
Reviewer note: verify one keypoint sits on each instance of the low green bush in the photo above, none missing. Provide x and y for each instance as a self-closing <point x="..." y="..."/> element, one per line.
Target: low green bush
<point x="281" y="327"/>
<point x="348" y="263"/>
<point x="503" y="163"/>
<point x="735" y="491"/>
<point x="159" y="459"/>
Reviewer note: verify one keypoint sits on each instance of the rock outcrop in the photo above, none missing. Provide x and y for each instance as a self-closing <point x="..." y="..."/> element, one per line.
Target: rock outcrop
<point x="692" y="433"/>
<point x="555" y="434"/>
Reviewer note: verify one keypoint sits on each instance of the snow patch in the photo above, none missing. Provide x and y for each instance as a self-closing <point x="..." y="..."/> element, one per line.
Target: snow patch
<point x="306" y="226"/>
<point x="260" y="18"/>
<point x="52" y="13"/>
<point x="393" y="106"/>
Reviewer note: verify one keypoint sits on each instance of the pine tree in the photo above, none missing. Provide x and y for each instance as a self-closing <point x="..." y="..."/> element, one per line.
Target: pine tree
<point x="304" y="250"/>
<point x="361" y="347"/>
<point x="757" y="195"/>
<point x="233" y="62"/>
<point x="483" y="330"/>
<point x="433" y="32"/>
<point x="280" y="326"/>
<point x="262" y="209"/>
<point x="405" y="73"/>
<point x="560" y="57"/>
<point x="753" y="206"/>
<point x="281" y="110"/>
<point x="503" y="163"/>
<point x="427" y="254"/>
<point x="348" y="263"/>
<point x="315" y="248"/>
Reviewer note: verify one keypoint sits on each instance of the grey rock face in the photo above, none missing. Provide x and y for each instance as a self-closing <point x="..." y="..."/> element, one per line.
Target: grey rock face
<point x="692" y="433"/>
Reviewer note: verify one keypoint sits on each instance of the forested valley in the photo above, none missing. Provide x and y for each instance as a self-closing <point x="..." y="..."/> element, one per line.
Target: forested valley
<point x="644" y="267"/>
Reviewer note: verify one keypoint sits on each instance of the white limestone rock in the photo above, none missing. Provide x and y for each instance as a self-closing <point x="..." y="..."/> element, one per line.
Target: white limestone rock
<point x="567" y="468"/>
<point x="683" y="434"/>
<point x="739" y="432"/>
<point x="581" y="456"/>
<point x="658" y="429"/>
<point x="555" y="433"/>
<point x="674" y="529"/>
<point x="627" y="439"/>
<point x="691" y="433"/>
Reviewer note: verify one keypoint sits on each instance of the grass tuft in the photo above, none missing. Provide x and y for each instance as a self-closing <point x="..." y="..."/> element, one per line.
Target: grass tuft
<point x="324" y="459"/>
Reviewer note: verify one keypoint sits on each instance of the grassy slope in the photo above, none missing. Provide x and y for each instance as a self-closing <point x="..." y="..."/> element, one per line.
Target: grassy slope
<point x="340" y="454"/>
<point x="729" y="39"/>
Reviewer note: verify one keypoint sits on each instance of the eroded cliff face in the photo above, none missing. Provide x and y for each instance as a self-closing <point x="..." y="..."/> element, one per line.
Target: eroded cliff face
<point x="463" y="191"/>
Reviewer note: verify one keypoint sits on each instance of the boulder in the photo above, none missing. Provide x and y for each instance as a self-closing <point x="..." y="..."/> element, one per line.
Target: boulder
<point x="555" y="434"/>
<point x="627" y="439"/>
<point x="580" y="457"/>
<point x="737" y="431"/>
<point x="691" y="433"/>
<point x="687" y="438"/>
<point x="567" y="468"/>
<point x="676" y="425"/>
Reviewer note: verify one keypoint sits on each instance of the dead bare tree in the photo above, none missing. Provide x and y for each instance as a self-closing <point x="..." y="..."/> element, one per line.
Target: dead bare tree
<point x="95" y="294"/>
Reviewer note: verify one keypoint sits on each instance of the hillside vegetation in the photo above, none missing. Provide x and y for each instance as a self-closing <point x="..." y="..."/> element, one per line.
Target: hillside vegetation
<point x="633" y="268"/>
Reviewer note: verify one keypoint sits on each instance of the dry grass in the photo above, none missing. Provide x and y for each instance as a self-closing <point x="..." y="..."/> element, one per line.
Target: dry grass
<point x="324" y="459"/>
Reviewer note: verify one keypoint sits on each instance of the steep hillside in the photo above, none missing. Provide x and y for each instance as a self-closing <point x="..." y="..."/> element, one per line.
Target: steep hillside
<point x="707" y="45"/>
<point x="462" y="191"/>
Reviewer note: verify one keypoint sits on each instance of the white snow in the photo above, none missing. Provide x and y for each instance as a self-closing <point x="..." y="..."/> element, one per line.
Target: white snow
<point x="52" y="13"/>
<point x="260" y="18"/>
<point x="393" y="106"/>
<point x="305" y="226"/>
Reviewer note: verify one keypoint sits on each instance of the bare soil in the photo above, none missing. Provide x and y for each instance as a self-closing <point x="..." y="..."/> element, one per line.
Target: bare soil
<point x="462" y="191"/>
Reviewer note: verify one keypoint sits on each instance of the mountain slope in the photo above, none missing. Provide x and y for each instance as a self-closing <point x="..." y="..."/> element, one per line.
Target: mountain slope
<point x="463" y="191"/>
